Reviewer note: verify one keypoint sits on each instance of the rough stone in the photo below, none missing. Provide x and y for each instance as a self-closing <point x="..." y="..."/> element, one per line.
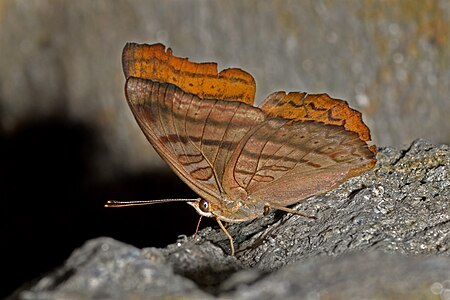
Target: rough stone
<point x="384" y="234"/>
<point x="108" y="269"/>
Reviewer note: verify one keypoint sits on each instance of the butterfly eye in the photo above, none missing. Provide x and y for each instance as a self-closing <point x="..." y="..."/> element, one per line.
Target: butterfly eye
<point x="204" y="205"/>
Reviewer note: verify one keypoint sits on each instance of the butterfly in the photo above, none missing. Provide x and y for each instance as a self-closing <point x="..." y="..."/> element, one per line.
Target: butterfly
<point x="240" y="159"/>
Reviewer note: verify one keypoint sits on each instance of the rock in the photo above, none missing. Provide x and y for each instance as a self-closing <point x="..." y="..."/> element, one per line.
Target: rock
<point x="108" y="269"/>
<point x="357" y="275"/>
<point x="385" y="234"/>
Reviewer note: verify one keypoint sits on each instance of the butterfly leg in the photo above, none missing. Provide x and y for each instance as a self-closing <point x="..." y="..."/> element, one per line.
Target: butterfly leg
<point x="196" y="229"/>
<point x="227" y="234"/>
<point x="286" y="209"/>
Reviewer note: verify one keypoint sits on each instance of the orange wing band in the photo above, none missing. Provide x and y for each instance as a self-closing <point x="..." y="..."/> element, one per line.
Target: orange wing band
<point x="319" y="108"/>
<point x="156" y="63"/>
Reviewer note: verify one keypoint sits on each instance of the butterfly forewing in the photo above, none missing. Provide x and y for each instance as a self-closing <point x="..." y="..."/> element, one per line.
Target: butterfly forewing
<point x="157" y="63"/>
<point x="195" y="136"/>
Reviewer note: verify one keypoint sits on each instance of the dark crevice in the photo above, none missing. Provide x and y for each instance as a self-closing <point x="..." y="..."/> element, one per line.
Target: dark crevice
<point x="53" y="202"/>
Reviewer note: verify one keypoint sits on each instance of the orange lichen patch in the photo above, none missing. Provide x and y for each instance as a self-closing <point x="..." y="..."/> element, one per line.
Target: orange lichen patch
<point x="319" y="108"/>
<point x="202" y="79"/>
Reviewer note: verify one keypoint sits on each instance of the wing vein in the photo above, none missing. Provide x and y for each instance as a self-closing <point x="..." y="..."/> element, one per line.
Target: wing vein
<point x="295" y="147"/>
<point x="225" y="133"/>
<point x="219" y="186"/>
<point x="260" y="153"/>
<point x="173" y="120"/>
<point x="295" y="165"/>
<point x="279" y="148"/>
<point x="160" y="116"/>
<point x="205" y="123"/>
<point x="253" y="130"/>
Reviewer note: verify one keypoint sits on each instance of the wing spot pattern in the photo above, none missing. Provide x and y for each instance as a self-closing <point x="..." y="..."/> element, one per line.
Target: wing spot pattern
<point x="203" y="174"/>
<point x="260" y="178"/>
<point x="188" y="159"/>
<point x="310" y="163"/>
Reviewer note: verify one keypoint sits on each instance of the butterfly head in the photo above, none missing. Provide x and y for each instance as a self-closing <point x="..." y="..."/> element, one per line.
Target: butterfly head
<point x="202" y="207"/>
<point x="228" y="211"/>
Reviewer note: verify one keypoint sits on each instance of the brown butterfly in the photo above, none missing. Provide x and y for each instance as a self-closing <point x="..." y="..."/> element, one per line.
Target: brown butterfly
<point x="240" y="159"/>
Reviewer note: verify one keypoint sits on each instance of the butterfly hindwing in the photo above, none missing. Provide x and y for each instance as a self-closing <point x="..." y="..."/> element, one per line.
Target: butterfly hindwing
<point x="286" y="160"/>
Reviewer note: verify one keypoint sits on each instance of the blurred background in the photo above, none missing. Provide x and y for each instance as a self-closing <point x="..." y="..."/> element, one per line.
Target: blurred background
<point x="68" y="140"/>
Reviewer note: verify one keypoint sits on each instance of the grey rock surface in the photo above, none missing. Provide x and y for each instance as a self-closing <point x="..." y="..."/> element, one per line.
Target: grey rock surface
<point x="108" y="269"/>
<point x="385" y="234"/>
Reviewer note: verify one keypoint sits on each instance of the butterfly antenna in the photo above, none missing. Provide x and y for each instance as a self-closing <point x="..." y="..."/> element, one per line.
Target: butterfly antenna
<point x="115" y="203"/>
